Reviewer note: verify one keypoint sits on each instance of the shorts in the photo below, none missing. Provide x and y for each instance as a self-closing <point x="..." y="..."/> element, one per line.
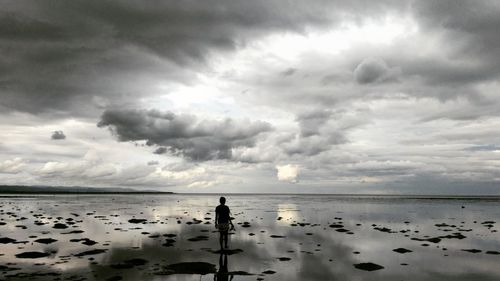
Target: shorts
<point x="223" y="227"/>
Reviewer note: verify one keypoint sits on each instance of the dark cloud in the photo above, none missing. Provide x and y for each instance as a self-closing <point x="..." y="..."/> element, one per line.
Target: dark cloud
<point x="184" y="135"/>
<point x="61" y="56"/>
<point x="160" y="150"/>
<point x="72" y="58"/>
<point x="469" y="31"/>
<point x="58" y="135"/>
<point x="310" y="122"/>
<point x="372" y="70"/>
<point x="319" y="130"/>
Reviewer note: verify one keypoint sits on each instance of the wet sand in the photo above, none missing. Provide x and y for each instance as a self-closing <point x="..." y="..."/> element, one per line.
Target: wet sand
<point x="277" y="237"/>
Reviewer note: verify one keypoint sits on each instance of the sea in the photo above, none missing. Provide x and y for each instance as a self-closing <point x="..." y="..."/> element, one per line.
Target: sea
<point x="276" y="237"/>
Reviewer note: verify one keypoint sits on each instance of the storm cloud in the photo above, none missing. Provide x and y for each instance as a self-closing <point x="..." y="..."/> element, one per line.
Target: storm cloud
<point x="185" y="135"/>
<point x="227" y="94"/>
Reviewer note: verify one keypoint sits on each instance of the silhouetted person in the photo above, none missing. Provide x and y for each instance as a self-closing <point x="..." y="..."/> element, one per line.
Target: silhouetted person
<point x="223" y="273"/>
<point x="223" y="221"/>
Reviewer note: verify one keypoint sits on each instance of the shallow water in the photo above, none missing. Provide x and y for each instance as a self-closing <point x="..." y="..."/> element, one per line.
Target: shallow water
<point x="309" y="242"/>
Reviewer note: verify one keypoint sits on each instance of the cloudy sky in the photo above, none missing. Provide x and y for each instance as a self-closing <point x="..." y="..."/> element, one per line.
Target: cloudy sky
<point x="252" y="96"/>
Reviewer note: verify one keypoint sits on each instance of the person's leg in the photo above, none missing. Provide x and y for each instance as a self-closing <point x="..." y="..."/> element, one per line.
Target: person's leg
<point x="221" y="237"/>
<point x="226" y="236"/>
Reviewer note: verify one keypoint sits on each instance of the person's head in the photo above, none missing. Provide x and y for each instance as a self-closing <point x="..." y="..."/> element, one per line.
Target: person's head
<point x="222" y="200"/>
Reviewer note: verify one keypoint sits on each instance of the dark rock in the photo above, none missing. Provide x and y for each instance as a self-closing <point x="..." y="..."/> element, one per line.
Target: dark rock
<point x="32" y="255"/>
<point x="402" y="250"/>
<point x="6" y="240"/>
<point x="73" y="232"/>
<point x="368" y="266"/>
<point x="474" y="251"/>
<point x="45" y="240"/>
<point x="384" y="229"/>
<point x="434" y="240"/>
<point x="336" y="225"/>
<point x="493" y="253"/>
<point x="137" y="220"/>
<point x="60" y="226"/>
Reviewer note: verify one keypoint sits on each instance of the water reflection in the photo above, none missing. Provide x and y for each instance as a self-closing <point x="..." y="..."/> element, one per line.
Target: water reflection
<point x="317" y="238"/>
<point x="223" y="272"/>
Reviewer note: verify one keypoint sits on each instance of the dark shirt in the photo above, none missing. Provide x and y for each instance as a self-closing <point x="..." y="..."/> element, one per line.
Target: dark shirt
<point x="223" y="213"/>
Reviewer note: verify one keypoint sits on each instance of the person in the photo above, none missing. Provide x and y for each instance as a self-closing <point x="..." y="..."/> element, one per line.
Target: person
<point x="223" y="221"/>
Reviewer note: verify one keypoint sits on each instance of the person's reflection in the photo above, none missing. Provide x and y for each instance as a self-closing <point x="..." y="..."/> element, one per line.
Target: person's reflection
<point x="223" y="273"/>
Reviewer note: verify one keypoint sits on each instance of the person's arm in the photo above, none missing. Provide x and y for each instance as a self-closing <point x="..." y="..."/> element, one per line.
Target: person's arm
<point x="216" y="217"/>
<point x="231" y="221"/>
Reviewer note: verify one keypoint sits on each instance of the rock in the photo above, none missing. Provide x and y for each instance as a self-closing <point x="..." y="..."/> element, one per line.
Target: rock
<point x="7" y="240"/>
<point x="336" y="225"/>
<point x="402" y="250"/>
<point x="32" y="255"/>
<point x="73" y="232"/>
<point x="368" y="266"/>
<point x="60" y="226"/>
<point x="474" y="251"/>
<point x="45" y="240"/>
<point x="137" y="220"/>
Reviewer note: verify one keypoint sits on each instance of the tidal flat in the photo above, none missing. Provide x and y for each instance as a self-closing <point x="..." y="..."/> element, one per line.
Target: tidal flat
<point x="277" y="237"/>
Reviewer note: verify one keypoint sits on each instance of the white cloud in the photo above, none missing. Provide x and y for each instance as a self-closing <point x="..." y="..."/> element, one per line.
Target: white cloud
<point x="13" y="166"/>
<point x="288" y="173"/>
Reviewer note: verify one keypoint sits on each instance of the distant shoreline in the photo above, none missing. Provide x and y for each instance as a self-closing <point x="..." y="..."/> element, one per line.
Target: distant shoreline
<point x="81" y="192"/>
<point x="23" y="189"/>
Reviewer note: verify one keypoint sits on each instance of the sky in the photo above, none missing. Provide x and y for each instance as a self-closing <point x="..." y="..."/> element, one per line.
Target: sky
<point x="378" y="97"/>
